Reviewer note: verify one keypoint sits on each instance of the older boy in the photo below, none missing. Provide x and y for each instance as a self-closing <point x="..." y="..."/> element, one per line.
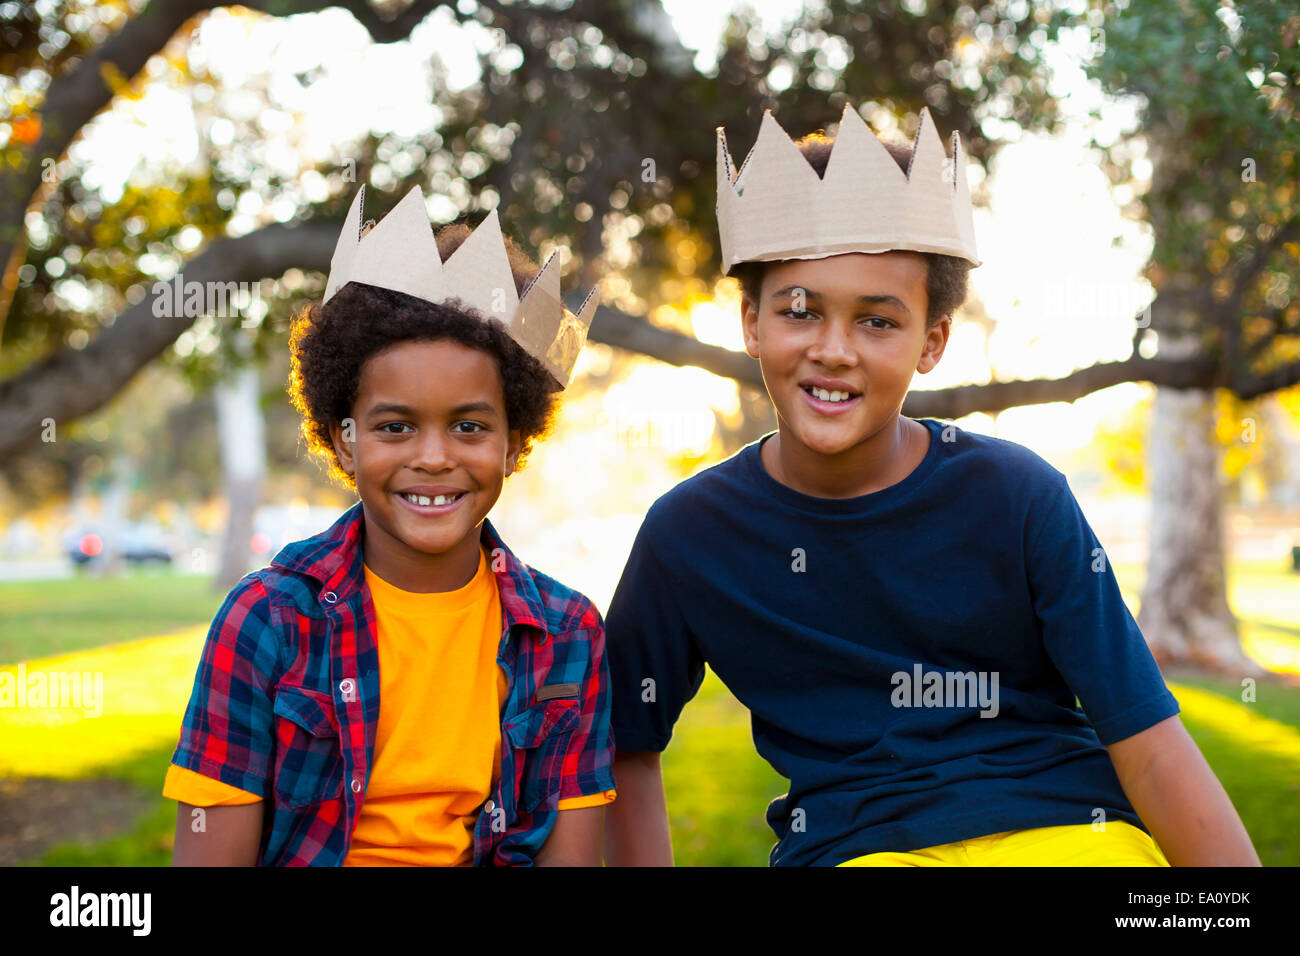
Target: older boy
<point x="908" y="610"/>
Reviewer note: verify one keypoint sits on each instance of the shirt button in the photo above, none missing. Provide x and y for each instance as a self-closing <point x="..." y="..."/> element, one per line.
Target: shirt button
<point x="489" y="806"/>
<point x="329" y="597"/>
<point x="356" y="785"/>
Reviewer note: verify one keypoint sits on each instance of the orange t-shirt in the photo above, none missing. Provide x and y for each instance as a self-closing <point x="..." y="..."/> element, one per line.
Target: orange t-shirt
<point x="438" y="742"/>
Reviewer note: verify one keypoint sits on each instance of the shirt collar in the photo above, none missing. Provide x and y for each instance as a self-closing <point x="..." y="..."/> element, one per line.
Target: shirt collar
<point x="335" y="558"/>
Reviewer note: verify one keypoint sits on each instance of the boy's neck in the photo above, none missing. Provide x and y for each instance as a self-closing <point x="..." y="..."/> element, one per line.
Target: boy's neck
<point x="409" y="570"/>
<point x="874" y="464"/>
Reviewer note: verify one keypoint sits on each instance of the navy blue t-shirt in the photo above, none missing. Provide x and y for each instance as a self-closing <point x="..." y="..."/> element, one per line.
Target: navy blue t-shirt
<point x="910" y="658"/>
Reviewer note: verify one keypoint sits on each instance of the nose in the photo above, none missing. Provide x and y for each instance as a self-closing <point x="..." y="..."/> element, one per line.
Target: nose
<point x="432" y="452"/>
<point x="832" y="347"/>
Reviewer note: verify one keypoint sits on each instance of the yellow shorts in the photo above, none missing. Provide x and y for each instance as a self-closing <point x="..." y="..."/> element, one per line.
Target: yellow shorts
<point x="1119" y="844"/>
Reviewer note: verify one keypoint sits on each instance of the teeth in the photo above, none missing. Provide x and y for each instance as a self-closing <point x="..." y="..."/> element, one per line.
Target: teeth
<point x="436" y="500"/>
<point x="827" y="396"/>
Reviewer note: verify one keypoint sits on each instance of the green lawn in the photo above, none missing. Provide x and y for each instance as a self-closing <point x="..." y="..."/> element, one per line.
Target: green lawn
<point x="717" y="787"/>
<point x="148" y="842"/>
<point x="41" y="618"/>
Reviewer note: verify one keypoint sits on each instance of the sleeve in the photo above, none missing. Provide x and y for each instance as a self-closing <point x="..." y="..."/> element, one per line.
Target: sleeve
<point x="1087" y="629"/>
<point x="227" y="733"/>
<point x="595" y="800"/>
<point x="655" y="664"/>
<point x="588" y="769"/>
<point x="197" y="790"/>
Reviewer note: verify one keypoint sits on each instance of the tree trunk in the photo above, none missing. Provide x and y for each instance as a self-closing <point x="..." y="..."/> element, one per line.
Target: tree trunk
<point x="241" y="430"/>
<point x="1184" y="613"/>
<point x="115" y="505"/>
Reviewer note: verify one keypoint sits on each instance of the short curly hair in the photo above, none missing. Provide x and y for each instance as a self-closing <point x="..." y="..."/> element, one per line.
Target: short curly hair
<point x="946" y="276"/>
<point x="329" y="345"/>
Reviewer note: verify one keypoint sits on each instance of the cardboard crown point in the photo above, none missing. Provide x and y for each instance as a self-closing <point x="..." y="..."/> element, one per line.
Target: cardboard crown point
<point x="400" y="253"/>
<point x="777" y="207"/>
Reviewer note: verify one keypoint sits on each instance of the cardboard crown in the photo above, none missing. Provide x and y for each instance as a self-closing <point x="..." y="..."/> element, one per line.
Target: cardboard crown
<point x="777" y="207"/>
<point x="400" y="253"/>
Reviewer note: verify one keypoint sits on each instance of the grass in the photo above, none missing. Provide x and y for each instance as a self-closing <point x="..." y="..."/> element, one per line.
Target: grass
<point x="1254" y="749"/>
<point x="148" y="842"/>
<point x="42" y="618"/>
<point x="717" y="787"/>
<point x="131" y="698"/>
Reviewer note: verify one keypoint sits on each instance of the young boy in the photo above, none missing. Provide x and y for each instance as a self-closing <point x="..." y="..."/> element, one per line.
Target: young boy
<point x="400" y="689"/>
<point x="908" y="610"/>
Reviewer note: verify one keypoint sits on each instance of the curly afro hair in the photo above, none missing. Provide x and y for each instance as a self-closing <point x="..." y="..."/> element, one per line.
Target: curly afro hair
<point x="330" y="344"/>
<point x="945" y="283"/>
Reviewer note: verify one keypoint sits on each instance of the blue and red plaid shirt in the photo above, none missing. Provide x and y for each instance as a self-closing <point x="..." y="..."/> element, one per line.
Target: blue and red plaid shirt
<point x="286" y="701"/>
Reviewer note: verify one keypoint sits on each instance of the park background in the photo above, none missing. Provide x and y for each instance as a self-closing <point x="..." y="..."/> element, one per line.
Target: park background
<point x="1135" y="323"/>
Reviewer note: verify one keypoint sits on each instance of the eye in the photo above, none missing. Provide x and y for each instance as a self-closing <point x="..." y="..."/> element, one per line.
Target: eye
<point x="875" y="318"/>
<point x="383" y="428"/>
<point x="796" y="315"/>
<point x="475" y="425"/>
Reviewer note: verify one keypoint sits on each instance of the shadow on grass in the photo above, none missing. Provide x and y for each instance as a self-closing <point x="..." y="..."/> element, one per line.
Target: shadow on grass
<point x="145" y="821"/>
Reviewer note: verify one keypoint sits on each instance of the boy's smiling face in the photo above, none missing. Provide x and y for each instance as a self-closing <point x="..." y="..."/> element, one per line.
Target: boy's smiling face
<point x="861" y="331"/>
<point x="430" y="419"/>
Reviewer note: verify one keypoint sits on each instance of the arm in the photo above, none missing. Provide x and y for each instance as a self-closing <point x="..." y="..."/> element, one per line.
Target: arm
<point x="1179" y="799"/>
<point x="230" y="836"/>
<point x="226" y="735"/>
<point x="656" y="667"/>
<point x="1100" y="652"/>
<point x="575" y="840"/>
<point x="636" y="824"/>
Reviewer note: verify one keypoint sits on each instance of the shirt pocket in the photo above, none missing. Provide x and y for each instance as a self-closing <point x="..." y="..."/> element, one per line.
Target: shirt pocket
<point x="542" y="734"/>
<point x="308" y="757"/>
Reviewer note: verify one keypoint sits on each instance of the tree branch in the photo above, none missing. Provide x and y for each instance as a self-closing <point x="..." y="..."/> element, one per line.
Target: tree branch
<point x="1247" y="387"/>
<point x="75" y="382"/>
<point x="1196" y="372"/>
<point x="71" y="101"/>
<point x="72" y="382"/>
<point x="74" y="98"/>
<point x="611" y="327"/>
<point x="380" y="30"/>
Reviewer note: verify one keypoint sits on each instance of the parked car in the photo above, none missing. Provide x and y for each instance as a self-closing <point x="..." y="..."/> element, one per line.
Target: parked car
<point x="139" y="544"/>
<point x="276" y="525"/>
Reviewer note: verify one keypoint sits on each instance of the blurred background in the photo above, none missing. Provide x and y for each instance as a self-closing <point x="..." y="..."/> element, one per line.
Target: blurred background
<point x="1135" y="323"/>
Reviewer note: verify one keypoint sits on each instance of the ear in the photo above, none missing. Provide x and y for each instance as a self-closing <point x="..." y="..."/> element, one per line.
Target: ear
<point x="344" y="449"/>
<point x="936" y="340"/>
<point x="749" y="324"/>
<point x="513" y="446"/>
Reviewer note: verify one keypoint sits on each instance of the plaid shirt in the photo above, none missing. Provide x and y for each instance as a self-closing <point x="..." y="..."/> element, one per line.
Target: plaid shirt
<point x="286" y="701"/>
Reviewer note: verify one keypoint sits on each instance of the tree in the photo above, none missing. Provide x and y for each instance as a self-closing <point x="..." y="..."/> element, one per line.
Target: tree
<point x="1217" y="89"/>
<point x="592" y="113"/>
<point x="561" y="83"/>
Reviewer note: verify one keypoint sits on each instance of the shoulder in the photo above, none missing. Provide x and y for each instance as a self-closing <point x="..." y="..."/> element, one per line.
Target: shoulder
<point x="273" y="591"/>
<point x="568" y="612"/>
<point x="246" y="635"/>
<point x="251" y="599"/>
<point x="982" y="462"/>
<point x="714" y="489"/>
<point x="269" y="602"/>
